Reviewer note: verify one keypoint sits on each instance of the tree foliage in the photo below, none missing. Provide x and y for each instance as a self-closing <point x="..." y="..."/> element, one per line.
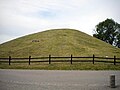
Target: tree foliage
<point x="108" y="31"/>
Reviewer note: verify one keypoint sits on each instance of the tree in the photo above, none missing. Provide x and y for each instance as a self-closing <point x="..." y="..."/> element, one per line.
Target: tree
<point x="108" y="31"/>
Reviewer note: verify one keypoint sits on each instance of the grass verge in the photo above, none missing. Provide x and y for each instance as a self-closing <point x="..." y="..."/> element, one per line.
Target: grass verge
<point x="62" y="66"/>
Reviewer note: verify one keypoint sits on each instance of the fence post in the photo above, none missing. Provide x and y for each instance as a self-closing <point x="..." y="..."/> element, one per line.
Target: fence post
<point x="93" y="58"/>
<point x="49" y="59"/>
<point x="114" y="60"/>
<point x="9" y="60"/>
<point x="29" y="59"/>
<point x="71" y="58"/>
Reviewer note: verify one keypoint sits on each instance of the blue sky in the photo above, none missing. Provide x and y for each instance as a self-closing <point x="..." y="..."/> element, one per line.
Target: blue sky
<point x="22" y="17"/>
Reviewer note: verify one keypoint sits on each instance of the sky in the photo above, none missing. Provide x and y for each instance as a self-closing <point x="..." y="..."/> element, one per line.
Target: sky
<point x="23" y="17"/>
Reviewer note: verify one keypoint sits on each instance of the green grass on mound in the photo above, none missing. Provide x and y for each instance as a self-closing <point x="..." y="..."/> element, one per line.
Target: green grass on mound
<point x="57" y="42"/>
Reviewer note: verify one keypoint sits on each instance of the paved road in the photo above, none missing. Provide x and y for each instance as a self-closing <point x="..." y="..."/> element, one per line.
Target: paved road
<point x="56" y="80"/>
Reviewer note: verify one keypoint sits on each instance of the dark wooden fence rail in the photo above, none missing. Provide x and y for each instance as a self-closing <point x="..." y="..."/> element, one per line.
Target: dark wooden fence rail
<point x="70" y="59"/>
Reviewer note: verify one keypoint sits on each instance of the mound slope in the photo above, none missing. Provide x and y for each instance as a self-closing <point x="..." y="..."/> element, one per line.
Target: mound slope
<point x="57" y="42"/>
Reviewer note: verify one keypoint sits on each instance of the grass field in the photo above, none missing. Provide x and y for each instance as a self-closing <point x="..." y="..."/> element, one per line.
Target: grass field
<point x="62" y="66"/>
<point x="59" y="43"/>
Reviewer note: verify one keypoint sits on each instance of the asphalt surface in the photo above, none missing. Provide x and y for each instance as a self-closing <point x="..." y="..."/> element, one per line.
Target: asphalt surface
<point x="57" y="80"/>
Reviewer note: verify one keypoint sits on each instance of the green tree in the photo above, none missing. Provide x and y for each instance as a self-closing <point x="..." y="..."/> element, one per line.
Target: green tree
<point x="108" y="31"/>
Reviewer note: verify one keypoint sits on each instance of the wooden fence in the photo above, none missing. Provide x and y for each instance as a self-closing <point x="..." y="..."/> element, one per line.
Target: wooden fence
<point x="70" y="59"/>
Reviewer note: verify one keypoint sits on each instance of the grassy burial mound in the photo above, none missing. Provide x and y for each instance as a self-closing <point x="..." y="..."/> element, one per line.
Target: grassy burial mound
<point x="57" y="42"/>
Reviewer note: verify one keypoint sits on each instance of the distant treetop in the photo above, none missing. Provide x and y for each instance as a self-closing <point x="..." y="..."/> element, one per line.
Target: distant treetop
<point x="108" y="31"/>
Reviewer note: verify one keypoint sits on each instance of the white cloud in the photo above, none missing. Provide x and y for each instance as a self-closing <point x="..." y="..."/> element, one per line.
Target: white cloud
<point x="20" y="17"/>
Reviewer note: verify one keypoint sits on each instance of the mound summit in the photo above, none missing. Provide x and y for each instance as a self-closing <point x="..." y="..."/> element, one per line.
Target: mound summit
<point x="57" y="42"/>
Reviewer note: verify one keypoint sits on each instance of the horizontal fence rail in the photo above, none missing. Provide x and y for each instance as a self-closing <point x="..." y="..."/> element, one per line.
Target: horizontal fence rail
<point x="69" y="59"/>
